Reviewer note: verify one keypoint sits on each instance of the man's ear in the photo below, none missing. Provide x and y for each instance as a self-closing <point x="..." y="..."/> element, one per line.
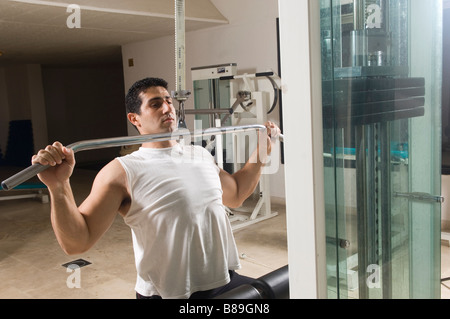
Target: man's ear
<point x="134" y="119"/>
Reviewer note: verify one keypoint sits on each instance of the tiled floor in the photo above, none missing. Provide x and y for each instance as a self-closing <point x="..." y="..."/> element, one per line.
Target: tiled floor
<point x="31" y="259"/>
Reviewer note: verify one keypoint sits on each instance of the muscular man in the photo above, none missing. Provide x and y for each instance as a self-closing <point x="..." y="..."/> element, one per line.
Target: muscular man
<point x="171" y="195"/>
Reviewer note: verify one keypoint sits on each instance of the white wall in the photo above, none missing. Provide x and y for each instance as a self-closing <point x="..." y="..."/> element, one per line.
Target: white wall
<point x="250" y="40"/>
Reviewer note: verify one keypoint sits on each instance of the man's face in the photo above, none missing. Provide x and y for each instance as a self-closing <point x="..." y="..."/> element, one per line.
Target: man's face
<point x="158" y="114"/>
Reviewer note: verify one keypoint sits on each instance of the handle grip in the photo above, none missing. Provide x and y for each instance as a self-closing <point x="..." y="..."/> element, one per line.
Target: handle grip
<point x="23" y="176"/>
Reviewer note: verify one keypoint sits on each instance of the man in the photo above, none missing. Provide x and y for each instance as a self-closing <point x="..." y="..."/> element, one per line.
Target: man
<point x="172" y="196"/>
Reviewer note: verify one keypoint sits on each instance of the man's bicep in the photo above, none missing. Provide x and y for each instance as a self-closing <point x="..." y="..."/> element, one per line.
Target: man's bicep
<point x="229" y="188"/>
<point x="104" y="201"/>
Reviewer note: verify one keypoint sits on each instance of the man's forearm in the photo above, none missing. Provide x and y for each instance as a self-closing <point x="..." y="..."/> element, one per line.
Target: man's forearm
<point x="68" y="223"/>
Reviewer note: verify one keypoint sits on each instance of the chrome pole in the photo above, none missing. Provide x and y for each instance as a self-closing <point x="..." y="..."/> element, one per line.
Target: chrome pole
<point x="34" y="169"/>
<point x="181" y="94"/>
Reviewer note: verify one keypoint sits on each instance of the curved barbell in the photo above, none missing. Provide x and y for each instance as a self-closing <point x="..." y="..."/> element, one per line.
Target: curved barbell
<point x="35" y="169"/>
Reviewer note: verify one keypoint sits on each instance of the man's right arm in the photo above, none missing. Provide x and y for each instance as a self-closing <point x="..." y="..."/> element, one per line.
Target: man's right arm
<point x="77" y="229"/>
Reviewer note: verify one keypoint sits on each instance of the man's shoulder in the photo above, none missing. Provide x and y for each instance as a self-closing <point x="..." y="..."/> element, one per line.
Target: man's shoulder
<point x="112" y="172"/>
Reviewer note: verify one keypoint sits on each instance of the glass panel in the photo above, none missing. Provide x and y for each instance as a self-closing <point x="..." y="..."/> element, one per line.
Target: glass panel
<point x="381" y="105"/>
<point x="334" y="164"/>
<point x="214" y="94"/>
<point x="425" y="148"/>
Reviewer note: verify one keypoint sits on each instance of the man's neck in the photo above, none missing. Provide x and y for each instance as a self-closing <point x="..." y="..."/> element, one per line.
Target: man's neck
<point x="161" y="144"/>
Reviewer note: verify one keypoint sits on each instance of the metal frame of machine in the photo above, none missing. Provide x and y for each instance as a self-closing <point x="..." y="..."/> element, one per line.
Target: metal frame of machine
<point x="249" y="106"/>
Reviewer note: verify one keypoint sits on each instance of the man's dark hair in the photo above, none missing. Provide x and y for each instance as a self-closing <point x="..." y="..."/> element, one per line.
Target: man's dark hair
<point x="133" y="101"/>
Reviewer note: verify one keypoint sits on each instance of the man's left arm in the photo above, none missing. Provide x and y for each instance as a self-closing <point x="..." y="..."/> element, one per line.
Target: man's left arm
<point x="239" y="186"/>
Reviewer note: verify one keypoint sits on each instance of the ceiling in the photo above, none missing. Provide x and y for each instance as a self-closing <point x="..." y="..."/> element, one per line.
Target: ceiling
<point x="35" y="31"/>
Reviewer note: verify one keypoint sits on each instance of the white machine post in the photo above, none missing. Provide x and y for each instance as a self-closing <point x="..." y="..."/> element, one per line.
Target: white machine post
<point x="252" y="111"/>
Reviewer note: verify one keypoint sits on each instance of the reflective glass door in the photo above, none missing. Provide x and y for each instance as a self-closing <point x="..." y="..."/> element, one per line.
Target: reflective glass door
<point x="381" y="72"/>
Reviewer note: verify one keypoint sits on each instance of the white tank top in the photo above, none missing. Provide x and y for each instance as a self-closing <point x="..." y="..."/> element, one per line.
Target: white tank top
<point x="182" y="238"/>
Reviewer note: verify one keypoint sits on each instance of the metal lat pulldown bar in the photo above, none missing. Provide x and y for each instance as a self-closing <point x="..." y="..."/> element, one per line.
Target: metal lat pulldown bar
<point x="35" y="169"/>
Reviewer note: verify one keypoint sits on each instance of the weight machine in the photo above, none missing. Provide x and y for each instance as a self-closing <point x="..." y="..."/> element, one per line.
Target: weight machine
<point x="243" y="99"/>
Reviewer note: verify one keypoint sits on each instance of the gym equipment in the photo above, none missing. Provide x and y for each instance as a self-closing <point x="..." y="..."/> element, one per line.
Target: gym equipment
<point x="29" y="190"/>
<point x="224" y="98"/>
<point x="274" y="285"/>
<point x="34" y="169"/>
<point x="181" y="94"/>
